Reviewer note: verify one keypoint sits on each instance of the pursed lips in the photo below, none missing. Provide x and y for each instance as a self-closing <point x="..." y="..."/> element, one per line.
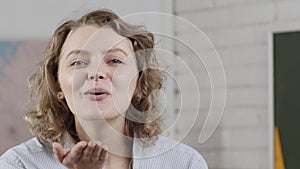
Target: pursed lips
<point x="96" y="94"/>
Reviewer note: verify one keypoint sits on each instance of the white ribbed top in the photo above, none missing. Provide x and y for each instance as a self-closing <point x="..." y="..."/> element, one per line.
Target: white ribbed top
<point x="164" y="154"/>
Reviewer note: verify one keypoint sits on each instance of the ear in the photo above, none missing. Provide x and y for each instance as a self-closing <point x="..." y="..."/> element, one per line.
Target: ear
<point x="60" y="95"/>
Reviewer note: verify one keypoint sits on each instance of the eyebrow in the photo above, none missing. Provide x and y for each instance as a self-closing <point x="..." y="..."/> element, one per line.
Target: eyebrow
<point x="78" y="51"/>
<point x="117" y="50"/>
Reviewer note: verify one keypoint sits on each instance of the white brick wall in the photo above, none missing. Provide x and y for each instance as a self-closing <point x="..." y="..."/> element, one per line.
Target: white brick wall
<point x="288" y="10"/>
<point x="182" y="6"/>
<point x="239" y="29"/>
<point x="252" y="13"/>
<point x="208" y="18"/>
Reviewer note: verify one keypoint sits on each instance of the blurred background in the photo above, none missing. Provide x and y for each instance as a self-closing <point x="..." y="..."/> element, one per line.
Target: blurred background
<point x="257" y="42"/>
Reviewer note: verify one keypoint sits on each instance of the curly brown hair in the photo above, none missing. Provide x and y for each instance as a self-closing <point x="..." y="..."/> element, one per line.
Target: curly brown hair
<point x="51" y="117"/>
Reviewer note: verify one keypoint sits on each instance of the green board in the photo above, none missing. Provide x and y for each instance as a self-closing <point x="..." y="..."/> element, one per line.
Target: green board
<point x="286" y="48"/>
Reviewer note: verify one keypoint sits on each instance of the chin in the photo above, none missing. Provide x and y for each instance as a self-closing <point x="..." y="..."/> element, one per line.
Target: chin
<point x="99" y="116"/>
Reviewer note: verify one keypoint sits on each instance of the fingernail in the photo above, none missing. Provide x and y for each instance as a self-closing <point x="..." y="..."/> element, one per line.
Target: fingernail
<point x="83" y="144"/>
<point x="92" y="144"/>
<point x="105" y="147"/>
<point x="99" y="143"/>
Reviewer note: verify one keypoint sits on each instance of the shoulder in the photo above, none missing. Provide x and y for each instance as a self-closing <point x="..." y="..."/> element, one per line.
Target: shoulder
<point x="183" y="151"/>
<point x="31" y="146"/>
<point x="169" y="152"/>
<point x="29" y="154"/>
<point x="13" y="156"/>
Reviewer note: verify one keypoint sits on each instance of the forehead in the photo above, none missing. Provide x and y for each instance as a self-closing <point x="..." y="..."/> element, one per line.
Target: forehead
<point x="95" y="39"/>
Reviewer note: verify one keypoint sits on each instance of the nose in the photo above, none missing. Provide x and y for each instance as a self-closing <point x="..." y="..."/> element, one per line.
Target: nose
<point x="97" y="76"/>
<point x="97" y="70"/>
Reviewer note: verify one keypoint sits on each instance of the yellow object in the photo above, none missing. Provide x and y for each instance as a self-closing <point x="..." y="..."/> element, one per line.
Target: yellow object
<point x="279" y="161"/>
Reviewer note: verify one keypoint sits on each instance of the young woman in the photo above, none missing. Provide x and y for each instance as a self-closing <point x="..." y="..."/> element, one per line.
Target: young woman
<point x="95" y="107"/>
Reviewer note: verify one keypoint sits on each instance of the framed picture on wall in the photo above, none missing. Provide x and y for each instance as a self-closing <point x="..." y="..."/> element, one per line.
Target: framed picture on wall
<point x="284" y="100"/>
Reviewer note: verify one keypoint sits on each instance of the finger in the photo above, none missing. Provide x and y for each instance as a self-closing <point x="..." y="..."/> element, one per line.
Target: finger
<point x="96" y="152"/>
<point x="103" y="156"/>
<point x="88" y="151"/>
<point x="104" y="153"/>
<point x="59" y="151"/>
<point x="76" y="152"/>
<point x="99" y="143"/>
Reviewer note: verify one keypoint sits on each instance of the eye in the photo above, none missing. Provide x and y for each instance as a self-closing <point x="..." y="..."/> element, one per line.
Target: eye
<point x="115" y="61"/>
<point x="78" y="63"/>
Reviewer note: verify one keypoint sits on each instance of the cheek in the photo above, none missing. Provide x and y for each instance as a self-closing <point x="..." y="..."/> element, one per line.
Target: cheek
<point x="70" y="82"/>
<point x="123" y="87"/>
<point x="124" y="83"/>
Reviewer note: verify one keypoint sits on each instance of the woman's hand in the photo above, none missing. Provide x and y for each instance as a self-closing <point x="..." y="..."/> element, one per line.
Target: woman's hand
<point x="82" y="156"/>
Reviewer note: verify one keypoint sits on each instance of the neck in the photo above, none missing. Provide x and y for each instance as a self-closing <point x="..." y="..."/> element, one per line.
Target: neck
<point x="110" y="133"/>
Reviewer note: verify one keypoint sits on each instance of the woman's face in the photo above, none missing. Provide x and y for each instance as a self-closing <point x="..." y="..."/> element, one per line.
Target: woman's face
<point x="97" y="73"/>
